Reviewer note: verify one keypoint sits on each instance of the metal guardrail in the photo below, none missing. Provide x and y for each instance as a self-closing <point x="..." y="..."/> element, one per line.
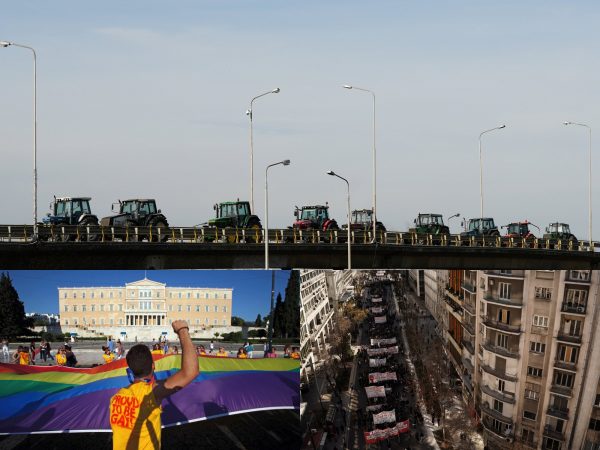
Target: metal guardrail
<point x="73" y="233"/>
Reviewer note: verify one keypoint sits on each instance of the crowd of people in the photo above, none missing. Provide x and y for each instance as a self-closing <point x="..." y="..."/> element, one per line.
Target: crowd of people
<point x="28" y="354"/>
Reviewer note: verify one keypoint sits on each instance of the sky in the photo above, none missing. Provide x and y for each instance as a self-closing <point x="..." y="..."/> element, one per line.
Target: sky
<point x="148" y="99"/>
<point x="38" y="289"/>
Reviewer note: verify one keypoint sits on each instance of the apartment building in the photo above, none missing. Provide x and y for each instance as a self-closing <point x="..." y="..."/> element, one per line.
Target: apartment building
<point x="523" y="343"/>
<point x="142" y="309"/>
<point x="320" y="293"/>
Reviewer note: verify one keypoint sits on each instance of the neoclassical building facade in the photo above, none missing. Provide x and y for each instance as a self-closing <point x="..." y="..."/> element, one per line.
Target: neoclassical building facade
<point x="142" y="309"/>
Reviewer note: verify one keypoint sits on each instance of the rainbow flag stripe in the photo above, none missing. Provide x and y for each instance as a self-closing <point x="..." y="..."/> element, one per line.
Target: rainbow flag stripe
<point x="47" y="399"/>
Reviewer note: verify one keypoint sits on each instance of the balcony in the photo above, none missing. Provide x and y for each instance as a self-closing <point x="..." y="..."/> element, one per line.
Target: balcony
<point x="574" y="339"/>
<point x="469" y="287"/>
<point x="558" y="411"/>
<point x="551" y="433"/>
<point x="518" y="274"/>
<point x="469" y="307"/>
<point x="509" y="328"/>
<point x="485" y="408"/>
<point x="512" y="302"/>
<point x="468" y="365"/>
<point x="499" y="373"/>
<point x="506" y="397"/>
<point x="510" y="352"/>
<point x="567" y="365"/>
<point x="574" y="308"/>
<point x="469" y="327"/>
<point x="561" y="390"/>
<point x="469" y="346"/>
<point x="578" y="276"/>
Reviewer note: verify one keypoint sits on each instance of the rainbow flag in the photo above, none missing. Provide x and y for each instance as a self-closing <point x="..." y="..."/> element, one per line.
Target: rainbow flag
<point x="46" y="399"/>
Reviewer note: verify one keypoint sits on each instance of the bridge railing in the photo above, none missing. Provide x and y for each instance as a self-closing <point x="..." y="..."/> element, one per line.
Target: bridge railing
<point x="200" y="234"/>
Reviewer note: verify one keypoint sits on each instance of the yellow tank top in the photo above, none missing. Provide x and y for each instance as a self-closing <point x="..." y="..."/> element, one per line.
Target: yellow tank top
<point x="61" y="359"/>
<point x="135" y="417"/>
<point x="108" y="358"/>
<point x="24" y="358"/>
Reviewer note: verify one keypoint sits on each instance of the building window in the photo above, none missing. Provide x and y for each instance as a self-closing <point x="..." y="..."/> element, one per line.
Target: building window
<point x="498" y="406"/>
<point x="215" y="321"/>
<point x="543" y="292"/>
<point x="563" y="378"/>
<point x="102" y="321"/>
<point x="207" y="308"/>
<point x="74" y="308"/>
<point x="537" y="347"/>
<point x="216" y="308"/>
<point x="197" y="295"/>
<point x="180" y="295"/>
<point x="75" y="321"/>
<point x="206" y="320"/>
<point x="224" y="309"/>
<point x="528" y="435"/>
<point x="111" y="295"/>
<point x="83" y="308"/>
<point x="501" y="385"/>
<point x="532" y="391"/>
<point x="576" y="297"/>
<point x="529" y="415"/>
<point x="111" y="307"/>
<point x="101" y="307"/>
<point x="197" y="321"/>
<point x="120" y="307"/>
<point x="540" y="321"/>
<point x="92" y="295"/>
<point x="597" y="402"/>
<point x="170" y="307"/>
<point x="188" y="295"/>
<point x="224" y="322"/>
<point x="74" y="294"/>
<point x="534" y="371"/>
<point x="93" y="321"/>
<point x="206" y="295"/>
<point x="197" y="308"/>
<point x="66" y="308"/>
<point x="101" y="294"/>
<point x="594" y="424"/>
<point x="66" y="321"/>
<point x="83" y="295"/>
<point x="502" y="340"/>
<point x="189" y="308"/>
<point x="225" y="296"/>
<point x="216" y="295"/>
<point x="551" y="444"/>
<point x="179" y="308"/>
<point x="120" y="321"/>
<point x="504" y="290"/>
<point x="111" y="321"/>
<point x="65" y="295"/>
<point x="567" y="354"/>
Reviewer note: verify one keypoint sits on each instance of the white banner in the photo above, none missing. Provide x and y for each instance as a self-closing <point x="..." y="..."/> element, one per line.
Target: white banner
<point x="377" y="309"/>
<point x="389" y="341"/>
<point x="375" y="391"/>
<point x="377" y="362"/>
<point x="378" y="377"/>
<point x="380" y="319"/>
<point x="374" y="407"/>
<point x="384" y="417"/>
<point x="382" y="351"/>
<point x="376" y="300"/>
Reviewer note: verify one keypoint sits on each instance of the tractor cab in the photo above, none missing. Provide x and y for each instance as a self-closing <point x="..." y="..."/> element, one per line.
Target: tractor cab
<point x="137" y="207"/>
<point x="520" y="229"/>
<point x="362" y="217"/>
<point x="481" y="227"/>
<point x="314" y="217"/>
<point x="428" y="220"/>
<point x="232" y="209"/>
<point x="558" y="229"/>
<point x="68" y="210"/>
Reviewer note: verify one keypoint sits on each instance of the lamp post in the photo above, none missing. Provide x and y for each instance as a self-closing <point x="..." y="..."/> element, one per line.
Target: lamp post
<point x="481" y="167"/>
<point x="250" y="114"/>
<point x="5" y="44"/>
<point x="590" y="179"/>
<point x="285" y="162"/>
<point x="347" y="86"/>
<point x="452" y="217"/>
<point x="333" y="174"/>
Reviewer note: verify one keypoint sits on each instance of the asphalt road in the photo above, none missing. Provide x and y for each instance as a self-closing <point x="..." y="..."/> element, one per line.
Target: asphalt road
<point x="264" y="430"/>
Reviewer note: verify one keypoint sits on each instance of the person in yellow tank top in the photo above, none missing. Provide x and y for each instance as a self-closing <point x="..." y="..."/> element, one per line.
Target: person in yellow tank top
<point x="222" y="353"/>
<point x="156" y="350"/>
<point x="23" y="356"/>
<point x="134" y="411"/>
<point x="61" y="358"/>
<point x="108" y="356"/>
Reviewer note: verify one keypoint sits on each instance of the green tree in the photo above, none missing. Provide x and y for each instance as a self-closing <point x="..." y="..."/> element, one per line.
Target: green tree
<point x="258" y="321"/>
<point x="278" y="319"/>
<point x="237" y="321"/>
<point x="291" y="306"/>
<point x="12" y="311"/>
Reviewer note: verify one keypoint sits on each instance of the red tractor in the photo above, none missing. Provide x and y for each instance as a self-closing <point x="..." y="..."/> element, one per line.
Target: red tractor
<point x="520" y="230"/>
<point x="314" y="218"/>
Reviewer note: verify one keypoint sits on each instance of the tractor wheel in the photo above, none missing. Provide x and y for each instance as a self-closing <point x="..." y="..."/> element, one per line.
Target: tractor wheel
<point x="232" y="236"/>
<point x="88" y="222"/>
<point x="253" y="233"/>
<point x="164" y="230"/>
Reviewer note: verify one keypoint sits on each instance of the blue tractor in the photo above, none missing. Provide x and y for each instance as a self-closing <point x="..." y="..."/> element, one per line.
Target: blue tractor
<point x="70" y="211"/>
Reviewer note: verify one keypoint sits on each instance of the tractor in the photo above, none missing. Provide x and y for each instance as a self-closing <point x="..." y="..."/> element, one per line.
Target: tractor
<point x="480" y="228"/>
<point x="362" y="220"/>
<point x="429" y="224"/>
<point x="70" y="211"/>
<point x="309" y="218"/>
<point x="138" y="213"/>
<point x="520" y="230"/>
<point x="236" y="215"/>
<point x="560" y="231"/>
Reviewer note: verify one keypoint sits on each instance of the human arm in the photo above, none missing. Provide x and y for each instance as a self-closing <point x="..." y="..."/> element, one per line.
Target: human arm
<point x="189" y="364"/>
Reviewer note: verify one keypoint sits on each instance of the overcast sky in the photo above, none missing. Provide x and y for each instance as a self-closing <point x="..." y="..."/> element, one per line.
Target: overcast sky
<point x="148" y="98"/>
<point x="38" y="289"/>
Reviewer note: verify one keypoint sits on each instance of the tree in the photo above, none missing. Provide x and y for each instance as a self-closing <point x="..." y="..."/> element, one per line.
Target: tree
<point x="258" y="321"/>
<point x="278" y="319"/>
<point x="291" y="306"/>
<point x="237" y="321"/>
<point x="12" y="311"/>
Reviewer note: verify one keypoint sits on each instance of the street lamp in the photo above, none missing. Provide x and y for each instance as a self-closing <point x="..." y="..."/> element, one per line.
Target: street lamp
<point x="481" y="166"/>
<point x="285" y="162"/>
<point x="347" y="86"/>
<point x="333" y="174"/>
<point x="249" y="114"/>
<point x="452" y="217"/>
<point x="590" y="179"/>
<point x="5" y="44"/>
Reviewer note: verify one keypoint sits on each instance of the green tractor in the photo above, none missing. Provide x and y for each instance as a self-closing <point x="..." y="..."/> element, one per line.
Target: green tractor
<point x="430" y="224"/>
<point x="560" y="231"/>
<point x="235" y="215"/>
